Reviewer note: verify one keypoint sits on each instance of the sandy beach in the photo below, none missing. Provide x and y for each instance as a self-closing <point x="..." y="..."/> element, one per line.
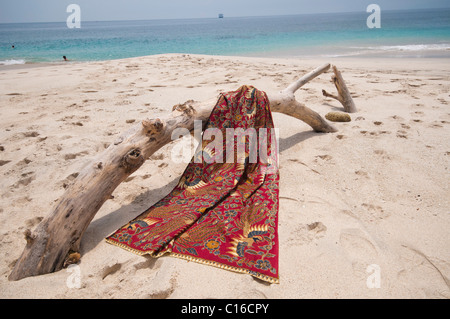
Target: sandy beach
<point x="368" y="202"/>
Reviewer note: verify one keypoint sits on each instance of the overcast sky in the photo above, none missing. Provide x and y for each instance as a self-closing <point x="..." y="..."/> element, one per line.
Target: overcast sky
<point x="101" y="10"/>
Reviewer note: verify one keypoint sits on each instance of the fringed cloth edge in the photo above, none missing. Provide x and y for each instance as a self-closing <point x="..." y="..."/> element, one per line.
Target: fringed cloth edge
<point x="272" y="280"/>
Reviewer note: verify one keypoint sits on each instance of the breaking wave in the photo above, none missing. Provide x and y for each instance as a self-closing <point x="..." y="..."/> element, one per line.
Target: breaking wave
<point x="12" y="62"/>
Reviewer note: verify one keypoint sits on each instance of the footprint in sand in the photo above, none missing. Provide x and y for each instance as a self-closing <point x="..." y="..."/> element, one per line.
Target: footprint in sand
<point x="149" y="263"/>
<point x="436" y="124"/>
<point x="374" y="133"/>
<point x="304" y="234"/>
<point x="374" y="212"/>
<point x="24" y="162"/>
<point x="30" y="134"/>
<point x="362" y="173"/>
<point x="396" y="117"/>
<point x="164" y="292"/>
<point x="3" y="162"/>
<point x="423" y="272"/>
<point x="405" y="126"/>
<point x="72" y="156"/>
<point x="443" y="101"/>
<point x="26" y="179"/>
<point x="30" y="223"/>
<point x="359" y="250"/>
<point x="110" y="270"/>
<point x="402" y="134"/>
<point x="164" y="280"/>
<point x="356" y="246"/>
<point x="325" y="157"/>
<point x="123" y="102"/>
<point x="382" y="153"/>
<point x="24" y="200"/>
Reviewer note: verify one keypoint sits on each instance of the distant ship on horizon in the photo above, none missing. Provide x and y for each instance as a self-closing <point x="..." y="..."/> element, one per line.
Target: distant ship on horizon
<point x="220" y="15"/>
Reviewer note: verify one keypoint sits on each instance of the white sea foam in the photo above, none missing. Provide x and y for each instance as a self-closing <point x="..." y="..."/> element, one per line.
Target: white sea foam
<point x="393" y="49"/>
<point x="11" y="62"/>
<point x="414" y="47"/>
<point x="410" y="47"/>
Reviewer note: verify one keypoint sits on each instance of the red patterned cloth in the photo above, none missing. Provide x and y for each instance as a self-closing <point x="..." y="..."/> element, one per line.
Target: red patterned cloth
<point x="224" y="210"/>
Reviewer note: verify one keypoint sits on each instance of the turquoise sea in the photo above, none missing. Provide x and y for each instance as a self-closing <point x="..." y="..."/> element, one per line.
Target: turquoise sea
<point x="419" y="33"/>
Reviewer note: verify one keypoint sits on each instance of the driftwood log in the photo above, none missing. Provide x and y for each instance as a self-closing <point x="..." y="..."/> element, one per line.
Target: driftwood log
<point x="57" y="238"/>
<point x="343" y="96"/>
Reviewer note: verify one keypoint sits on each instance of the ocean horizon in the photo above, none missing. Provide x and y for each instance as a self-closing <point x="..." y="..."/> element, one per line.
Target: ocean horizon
<point x="408" y="33"/>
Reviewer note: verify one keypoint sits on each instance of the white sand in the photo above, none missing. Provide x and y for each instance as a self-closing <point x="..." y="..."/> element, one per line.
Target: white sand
<point x="378" y="189"/>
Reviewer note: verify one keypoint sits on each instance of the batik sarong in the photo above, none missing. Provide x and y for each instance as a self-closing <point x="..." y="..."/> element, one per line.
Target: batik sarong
<point x="224" y="210"/>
